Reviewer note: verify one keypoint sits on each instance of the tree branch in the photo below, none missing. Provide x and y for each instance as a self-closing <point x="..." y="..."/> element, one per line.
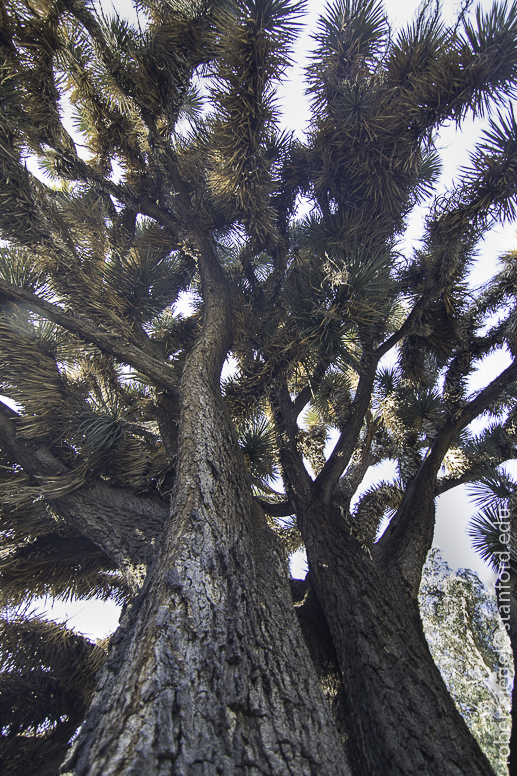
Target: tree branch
<point x="124" y="525"/>
<point x="81" y="170"/>
<point x="444" y="484"/>
<point x="408" y="538"/>
<point x="484" y="398"/>
<point x="124" y="80"/>
<point x="306" y="393"/>
<point x="35" y="459"/>
<point x="386" y="346"/>
<point x="296" y="476"/>
<point x="360" y="462"/>
<point x="328" y="478"/>
<point x="113" y="344"/>
<point x="275" y="509"/>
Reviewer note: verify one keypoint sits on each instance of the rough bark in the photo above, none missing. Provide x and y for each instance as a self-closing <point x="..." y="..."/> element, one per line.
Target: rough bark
<point x="403" y="720"/>
<point x="323" y="654"/>
<point x="125" y="525"/>
<point x="209" y="673"/>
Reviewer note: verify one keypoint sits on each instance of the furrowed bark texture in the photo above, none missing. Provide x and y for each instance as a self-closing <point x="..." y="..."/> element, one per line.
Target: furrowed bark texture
<point x="209" y="674"/>
<point x="403" y="720"/>
<point x="125" y="525"/>
<point x="323" y="654"/>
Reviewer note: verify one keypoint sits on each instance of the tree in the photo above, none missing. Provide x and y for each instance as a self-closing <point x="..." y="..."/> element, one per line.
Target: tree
<point x="493" y="533"/>
<point x="175" y="177"/>
<point x="460" y="620"/>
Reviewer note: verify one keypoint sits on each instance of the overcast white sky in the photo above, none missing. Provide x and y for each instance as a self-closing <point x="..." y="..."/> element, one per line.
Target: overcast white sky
<point x="454" y="510"/>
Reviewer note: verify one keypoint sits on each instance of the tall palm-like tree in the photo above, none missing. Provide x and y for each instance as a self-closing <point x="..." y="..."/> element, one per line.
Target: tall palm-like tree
<point x="130" y="470"/>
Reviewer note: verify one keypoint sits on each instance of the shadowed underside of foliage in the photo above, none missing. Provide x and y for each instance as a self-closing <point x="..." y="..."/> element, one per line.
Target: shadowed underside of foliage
<point x="46" y="684"/>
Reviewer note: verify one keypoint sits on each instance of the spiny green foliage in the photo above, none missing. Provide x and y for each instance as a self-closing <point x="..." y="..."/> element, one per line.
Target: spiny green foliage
<point x="46" y="684"/>
<point x="62" y="567"/>
<point x="496" y="496"/>
<point x="175" y="144"/>
<point x="257" y="442"/>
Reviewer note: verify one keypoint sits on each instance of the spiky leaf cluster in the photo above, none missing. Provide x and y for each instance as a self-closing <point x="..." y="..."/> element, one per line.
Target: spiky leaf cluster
<point x="47" y="674"/>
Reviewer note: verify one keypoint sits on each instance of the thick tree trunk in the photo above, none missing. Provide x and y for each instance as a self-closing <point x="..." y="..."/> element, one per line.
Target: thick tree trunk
<point x="323" y="654"/>
<point x="403" y="720"/>
<point x="209" y="674"/>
